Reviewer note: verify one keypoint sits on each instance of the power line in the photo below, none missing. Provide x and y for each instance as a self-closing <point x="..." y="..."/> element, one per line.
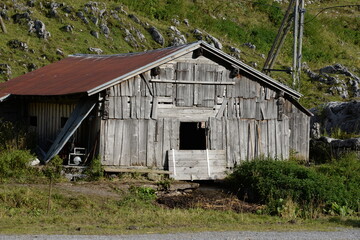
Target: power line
<point x="326" y="8"/>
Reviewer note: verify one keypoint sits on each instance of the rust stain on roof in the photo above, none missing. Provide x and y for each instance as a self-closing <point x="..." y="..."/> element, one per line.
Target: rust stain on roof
<point x="81" y="73"/>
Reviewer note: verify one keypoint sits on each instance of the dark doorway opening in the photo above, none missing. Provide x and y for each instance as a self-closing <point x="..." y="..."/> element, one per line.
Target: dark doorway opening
<point x="192" y="136"/>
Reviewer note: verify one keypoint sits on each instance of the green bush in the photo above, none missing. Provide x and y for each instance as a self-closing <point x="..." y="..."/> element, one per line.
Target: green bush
<point x="15" y="164"/>
<point x="266" y="181"/>
<point x="95" y="171"/>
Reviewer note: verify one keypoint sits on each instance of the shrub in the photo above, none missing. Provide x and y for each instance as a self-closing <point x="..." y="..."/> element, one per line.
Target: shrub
<point x="265" y="181"/>
<point x="95" y="171"/>
<point x="15" y="164"/>
<point x="15" y="136"/>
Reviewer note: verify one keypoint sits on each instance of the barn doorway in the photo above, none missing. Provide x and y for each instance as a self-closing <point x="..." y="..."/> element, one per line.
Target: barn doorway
<point x="192" y="135"/>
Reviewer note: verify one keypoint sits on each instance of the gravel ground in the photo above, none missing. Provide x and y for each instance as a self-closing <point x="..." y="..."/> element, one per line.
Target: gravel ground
<point x="341" y="234"/>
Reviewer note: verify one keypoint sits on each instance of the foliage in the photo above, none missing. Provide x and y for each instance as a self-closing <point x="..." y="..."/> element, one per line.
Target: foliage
<point x="95" y="171"/>
<point x="267" y="181"/>
<point x="53" y="168"/>
<point x="16" y="164"/>
<point x="272" y="9"/>
<point x="138" y="196"/>
<point x="15" y="136"/>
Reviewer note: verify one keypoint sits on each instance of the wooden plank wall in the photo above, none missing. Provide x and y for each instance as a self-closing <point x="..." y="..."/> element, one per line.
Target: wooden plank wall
<point x="144" y="117"/>
<point x="299" y="124"/>
<point x="48" y="119"/>
<point x="193" y="164"/>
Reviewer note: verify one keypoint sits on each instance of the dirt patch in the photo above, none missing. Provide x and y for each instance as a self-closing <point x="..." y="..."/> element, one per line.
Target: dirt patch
<point x="214" y="199"/>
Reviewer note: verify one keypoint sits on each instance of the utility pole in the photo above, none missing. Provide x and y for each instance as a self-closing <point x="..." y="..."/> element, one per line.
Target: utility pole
<point x="294" y="16"/>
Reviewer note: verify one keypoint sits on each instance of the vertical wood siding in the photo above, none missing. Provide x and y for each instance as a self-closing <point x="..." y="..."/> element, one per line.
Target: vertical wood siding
<point x="48" y="119"/>
<point x="144" y="118"/>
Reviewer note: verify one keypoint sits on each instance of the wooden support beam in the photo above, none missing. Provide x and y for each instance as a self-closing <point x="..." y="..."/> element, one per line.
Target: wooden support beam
<point x="2" y="24"/>
<point x="191" y="82"/>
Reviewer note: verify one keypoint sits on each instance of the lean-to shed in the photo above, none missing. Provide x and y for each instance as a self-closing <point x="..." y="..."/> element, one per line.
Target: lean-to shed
<point x="190" y="109"/>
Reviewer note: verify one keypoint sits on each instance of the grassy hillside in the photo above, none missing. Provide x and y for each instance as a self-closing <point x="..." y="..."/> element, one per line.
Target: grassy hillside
<point x="331" y="37"/>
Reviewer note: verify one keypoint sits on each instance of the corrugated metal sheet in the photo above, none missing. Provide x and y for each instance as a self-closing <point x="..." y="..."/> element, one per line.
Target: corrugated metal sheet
<point x="81" y="73"/>
<point x="92" y="73"/>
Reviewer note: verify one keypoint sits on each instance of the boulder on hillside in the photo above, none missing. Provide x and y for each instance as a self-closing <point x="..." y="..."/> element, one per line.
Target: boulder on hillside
<point x="337" y="115"/>
<point x="156" y="35"/>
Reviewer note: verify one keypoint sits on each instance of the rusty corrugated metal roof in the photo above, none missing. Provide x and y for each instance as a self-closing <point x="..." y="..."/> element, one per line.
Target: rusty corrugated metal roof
<point x="87" y="73"/>
<point x="81" y="73"/>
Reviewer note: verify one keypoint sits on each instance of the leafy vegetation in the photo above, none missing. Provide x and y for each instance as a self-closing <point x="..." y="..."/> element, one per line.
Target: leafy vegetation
<point x="287" y="185"/>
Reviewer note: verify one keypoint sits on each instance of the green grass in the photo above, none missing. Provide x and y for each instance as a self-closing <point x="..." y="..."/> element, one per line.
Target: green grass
<point x="23" y="210"/>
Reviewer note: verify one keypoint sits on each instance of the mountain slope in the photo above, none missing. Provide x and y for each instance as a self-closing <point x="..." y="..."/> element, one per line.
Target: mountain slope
<point x="40" y="32"/>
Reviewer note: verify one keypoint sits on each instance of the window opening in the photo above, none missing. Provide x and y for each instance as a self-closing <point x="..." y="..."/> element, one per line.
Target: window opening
<point x="192" y="136"/>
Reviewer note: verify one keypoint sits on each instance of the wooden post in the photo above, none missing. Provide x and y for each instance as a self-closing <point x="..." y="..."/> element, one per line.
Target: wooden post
<point x="3" y="27"/>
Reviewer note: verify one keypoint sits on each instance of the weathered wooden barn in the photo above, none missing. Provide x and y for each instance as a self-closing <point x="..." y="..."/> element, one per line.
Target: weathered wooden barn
<point x="190" y="109"/>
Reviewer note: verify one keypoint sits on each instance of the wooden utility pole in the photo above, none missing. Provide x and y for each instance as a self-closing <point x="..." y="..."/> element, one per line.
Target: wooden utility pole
<point x="2" y="24"/>
<point x="294" y="14"/>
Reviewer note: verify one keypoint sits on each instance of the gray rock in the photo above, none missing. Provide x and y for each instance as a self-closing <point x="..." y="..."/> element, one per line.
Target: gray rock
<point x="59" y="52"/>
<point x="19" y="17"/>
<point x="94" y="19"/>
<point x="129" y="38"/>
<point x="39" y="28"/>
<point x="315" y="132"/>
<point x="85" y="20"/>
<point x="105" y="29"/>
<point x="175" y="21"/>
<point x="156" y="35"/>
<point x="95" y="50"/>
<point x="215" y="41"/>
<point x="186" y="22"/>
<point x="31" y="67"/>
<point x="80" y="14"/>
<point x="4" y="15"/>
<point x="120" y="9"/>
<point x="31" y="3"/>
<point x="16" y="44"/>
<point x="5" y="70"/>
<point x="67" y="28"/>
<point x="67" y="9"/>
<point x="198" y="34"/>
<point x="52" y="13"/>
<point x="341" y="115"/>
<point x="250" y="45"/>
<point x="140" y="36"/>
<point x="235" y="50"/>
<point x="94" y="33"/>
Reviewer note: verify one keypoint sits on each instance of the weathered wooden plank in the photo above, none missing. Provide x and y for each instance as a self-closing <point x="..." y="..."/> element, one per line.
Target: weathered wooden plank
<point x="189" y="82"/>
<point x="193" y="165"/>
<point x="143" y="139"/>
<point x="134" y="142"/>
<point x="154" y="110"/>
<point x="133" y="106"/>
<point x="118" y="132"/>
<point x="125" y="107"/>
<point x="220" y="112"/>
<point x="125" y="159"/>
<point x="185" y="113"/>
<point x="110" y="139"/>
<point x="230" y="109"/>
<point x="166" y="139"/>
<point x="147" y="110"/>
<point x="159" y="142"/>
<point x="118" y="108"/>
<point x="150" y="147"/>
<point x="111" y="107"/>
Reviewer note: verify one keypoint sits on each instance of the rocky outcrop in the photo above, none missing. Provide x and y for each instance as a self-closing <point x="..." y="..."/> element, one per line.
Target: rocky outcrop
<point x="176" y="37"/>
<point x="337" y="115"/>
<point x="339" y="79"/>
<point x="5" y="71"/>
<point x="156" y="35"/>
<point x="39" y="28"/>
